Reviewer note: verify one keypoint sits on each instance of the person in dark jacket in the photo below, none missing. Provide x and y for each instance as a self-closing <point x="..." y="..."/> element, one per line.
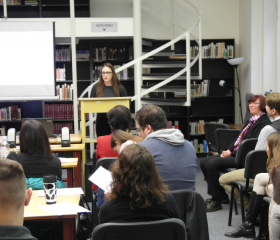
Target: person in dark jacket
<point x="212" y="165"/>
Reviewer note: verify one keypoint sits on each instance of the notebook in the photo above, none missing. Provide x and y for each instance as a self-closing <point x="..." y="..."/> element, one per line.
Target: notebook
<point x="46" y="122"/>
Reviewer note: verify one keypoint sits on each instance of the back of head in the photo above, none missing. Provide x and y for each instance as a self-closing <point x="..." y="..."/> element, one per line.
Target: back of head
<point x="122" y="136"/>
<point x="151" y="115"/>
<point x="135" y="176"/>
<point x="34" y="139"/>
<point x="119" y="117"/>
<point x="12" y="185"/>
<point x="273" y="101"/>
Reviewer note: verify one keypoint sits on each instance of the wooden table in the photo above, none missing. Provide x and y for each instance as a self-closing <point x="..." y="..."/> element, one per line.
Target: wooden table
<point x="33" y="213"/>
<point x="236" y="126"/>
<point x="70" y="166"/>
<point x="74" y="138"/>
<point x="76" y="149"/>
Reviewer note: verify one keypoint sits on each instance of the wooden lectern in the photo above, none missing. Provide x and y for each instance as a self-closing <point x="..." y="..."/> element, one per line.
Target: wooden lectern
<point x="96" y="105"/>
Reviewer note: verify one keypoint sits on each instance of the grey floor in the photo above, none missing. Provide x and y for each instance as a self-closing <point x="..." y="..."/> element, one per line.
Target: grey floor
<point x="217" y="221"/>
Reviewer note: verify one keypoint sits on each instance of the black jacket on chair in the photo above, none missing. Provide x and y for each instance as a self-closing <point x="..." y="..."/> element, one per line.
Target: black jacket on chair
<point x="193" y="213"/>
<point x="253" y="132"/>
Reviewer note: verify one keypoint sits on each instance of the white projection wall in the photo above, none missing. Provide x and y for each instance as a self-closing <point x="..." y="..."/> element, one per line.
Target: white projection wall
<point x="27" y="60"/>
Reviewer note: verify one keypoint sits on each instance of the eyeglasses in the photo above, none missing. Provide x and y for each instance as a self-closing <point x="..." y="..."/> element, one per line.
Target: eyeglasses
<point x="106" y="73"/>
<point x="138" y="129"/>
<point x="254" y="103"/>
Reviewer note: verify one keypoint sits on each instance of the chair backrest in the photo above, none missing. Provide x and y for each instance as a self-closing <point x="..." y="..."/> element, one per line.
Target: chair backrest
<point x="209" y="129"/>
<point x="248" y="114"/>
<point x="167" y="229"/>
<point x="255" y="163"/>
<point x="244" y="148"/>
<point x="192" y="212"/>
<point x="105" y="162"/>
<point x="225" y="137"/>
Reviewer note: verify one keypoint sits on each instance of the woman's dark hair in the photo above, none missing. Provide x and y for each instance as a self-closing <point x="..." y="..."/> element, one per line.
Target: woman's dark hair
<point x="119" y="117"/>
<point x="151" y="115"/>
<point x="33" y="139"/>
<point x="262" y="102"/>
<point x="273" y="160"/>
<point x="115" y="82"/>
<point x="135" y="176"/>
<point x="122" y="136"/>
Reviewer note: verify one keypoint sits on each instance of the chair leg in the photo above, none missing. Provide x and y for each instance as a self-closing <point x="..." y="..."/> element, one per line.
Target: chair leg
<point x="235" y="207"/>
<point x="242" y="205"/>
<point x="230" y="207"/>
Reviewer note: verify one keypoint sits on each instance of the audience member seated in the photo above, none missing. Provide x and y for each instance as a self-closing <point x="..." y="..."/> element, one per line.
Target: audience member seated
<point x="262" y="187"/>
<point x="212" y="165"/>
<point x="138" y="192"/>
<point x="273" y="110"/>
<point x="13" y="198"/>
<point x="119" y="117"/>
<point x="175" y="157"/>
<point x="119" y="140"/>
<point x="35" y="155"/>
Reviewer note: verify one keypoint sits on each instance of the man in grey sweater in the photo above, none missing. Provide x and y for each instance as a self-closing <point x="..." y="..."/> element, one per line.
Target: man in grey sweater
<point x="174" y="157"/>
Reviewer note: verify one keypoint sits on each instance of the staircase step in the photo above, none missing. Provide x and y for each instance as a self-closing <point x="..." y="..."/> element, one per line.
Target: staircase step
<point x="165" y="74"/>
<point x="175" y="100"/>
<point x="177" y="87"/>
<point x="163" y="53"/>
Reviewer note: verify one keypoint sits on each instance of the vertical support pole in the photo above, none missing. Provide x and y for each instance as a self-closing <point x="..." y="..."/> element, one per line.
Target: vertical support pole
<point x="74" y="64"/>
<point x="137" y="47"/>
<point x="5" y="9"/>
<point x="188" y="73"/>
<point x="172" y="18"/>
<point x="200" y="47"/>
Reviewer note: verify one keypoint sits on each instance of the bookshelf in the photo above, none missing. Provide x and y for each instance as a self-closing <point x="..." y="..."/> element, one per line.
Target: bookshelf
<point x="217" y="105"/>
<point x="45" y="9"/>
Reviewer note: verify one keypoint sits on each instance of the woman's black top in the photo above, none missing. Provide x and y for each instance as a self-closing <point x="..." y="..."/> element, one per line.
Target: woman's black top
<point x="119" y="210"/>
<point x="36" y="165"/>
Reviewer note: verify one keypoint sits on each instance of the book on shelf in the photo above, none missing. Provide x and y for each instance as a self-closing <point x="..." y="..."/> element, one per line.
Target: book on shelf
<point x="111" y="54"/>
<point x="10" y="113"/>
<point x="58" y="126"/>
<point x="197" y="127"/>
<point x="3" y="130"/>
<point x="60" y="74"/>
<point x="65" y="92"/>
<point x="63" y="54"/>
<point x="199" y="147"/>
<point x="82" y="54"/>
<point x="119" y="73"/>
<point x="206" y="86"/>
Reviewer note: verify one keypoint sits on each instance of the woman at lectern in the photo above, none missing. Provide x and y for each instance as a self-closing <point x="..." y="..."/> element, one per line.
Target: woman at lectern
<point x="107" y="86"/>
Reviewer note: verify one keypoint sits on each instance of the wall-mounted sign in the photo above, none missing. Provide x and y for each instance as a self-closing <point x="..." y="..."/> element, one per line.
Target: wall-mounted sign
<point x="104" y="26"/>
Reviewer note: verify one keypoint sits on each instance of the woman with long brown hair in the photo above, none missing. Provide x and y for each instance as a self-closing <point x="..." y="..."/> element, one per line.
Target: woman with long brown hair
<point x="138" y="192"/>
<point x="107" y="86"/>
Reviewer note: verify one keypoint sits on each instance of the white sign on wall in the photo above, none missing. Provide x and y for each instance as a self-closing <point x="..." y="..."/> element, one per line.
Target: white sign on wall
<point x="104" y="26"/>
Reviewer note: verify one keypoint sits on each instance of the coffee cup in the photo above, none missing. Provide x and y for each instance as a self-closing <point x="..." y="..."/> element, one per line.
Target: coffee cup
<point x="50" y="188"/>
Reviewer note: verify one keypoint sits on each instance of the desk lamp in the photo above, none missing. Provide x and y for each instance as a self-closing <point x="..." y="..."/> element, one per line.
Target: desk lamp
<point x="235" y="62"/>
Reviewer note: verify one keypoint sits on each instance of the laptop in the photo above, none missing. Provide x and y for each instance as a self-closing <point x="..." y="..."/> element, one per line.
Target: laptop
<point x="46" y="122"/>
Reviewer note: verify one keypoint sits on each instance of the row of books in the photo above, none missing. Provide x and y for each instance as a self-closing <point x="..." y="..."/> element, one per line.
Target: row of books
<point x="60" y="74"/>
<point x="176" y="124"/>
<point x="82" y="54"/>
<point x="123" y="75"/>
<point x="11" y="2"/>
<point x="116" y="54"/>
<point x="10" y="113"/>
<point x="65" y="91"/>
<point x="58" y="126"/>
<point x="197" y="90"/>
<point x="199" y="147"/>
<point x="59" y="111"/>
<point x="63" y="54"/>
<point x="197" y="127"/>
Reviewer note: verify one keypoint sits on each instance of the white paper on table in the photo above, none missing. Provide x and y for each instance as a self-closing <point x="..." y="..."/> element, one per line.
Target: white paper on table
<point x="102" y="178"/>
<point x="63" y="208"/>
<point x="64" y="160"/>
<point x="64" y="192"/>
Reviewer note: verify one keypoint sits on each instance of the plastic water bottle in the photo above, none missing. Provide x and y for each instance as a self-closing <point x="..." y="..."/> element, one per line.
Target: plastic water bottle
<point x="5" y="147"/>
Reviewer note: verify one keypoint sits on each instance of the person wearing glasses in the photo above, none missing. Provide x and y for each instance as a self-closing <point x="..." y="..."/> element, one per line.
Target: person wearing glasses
<point x="107" y="86"/>
<point x="212" y="165"/>
<point x="174" y="156"/>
